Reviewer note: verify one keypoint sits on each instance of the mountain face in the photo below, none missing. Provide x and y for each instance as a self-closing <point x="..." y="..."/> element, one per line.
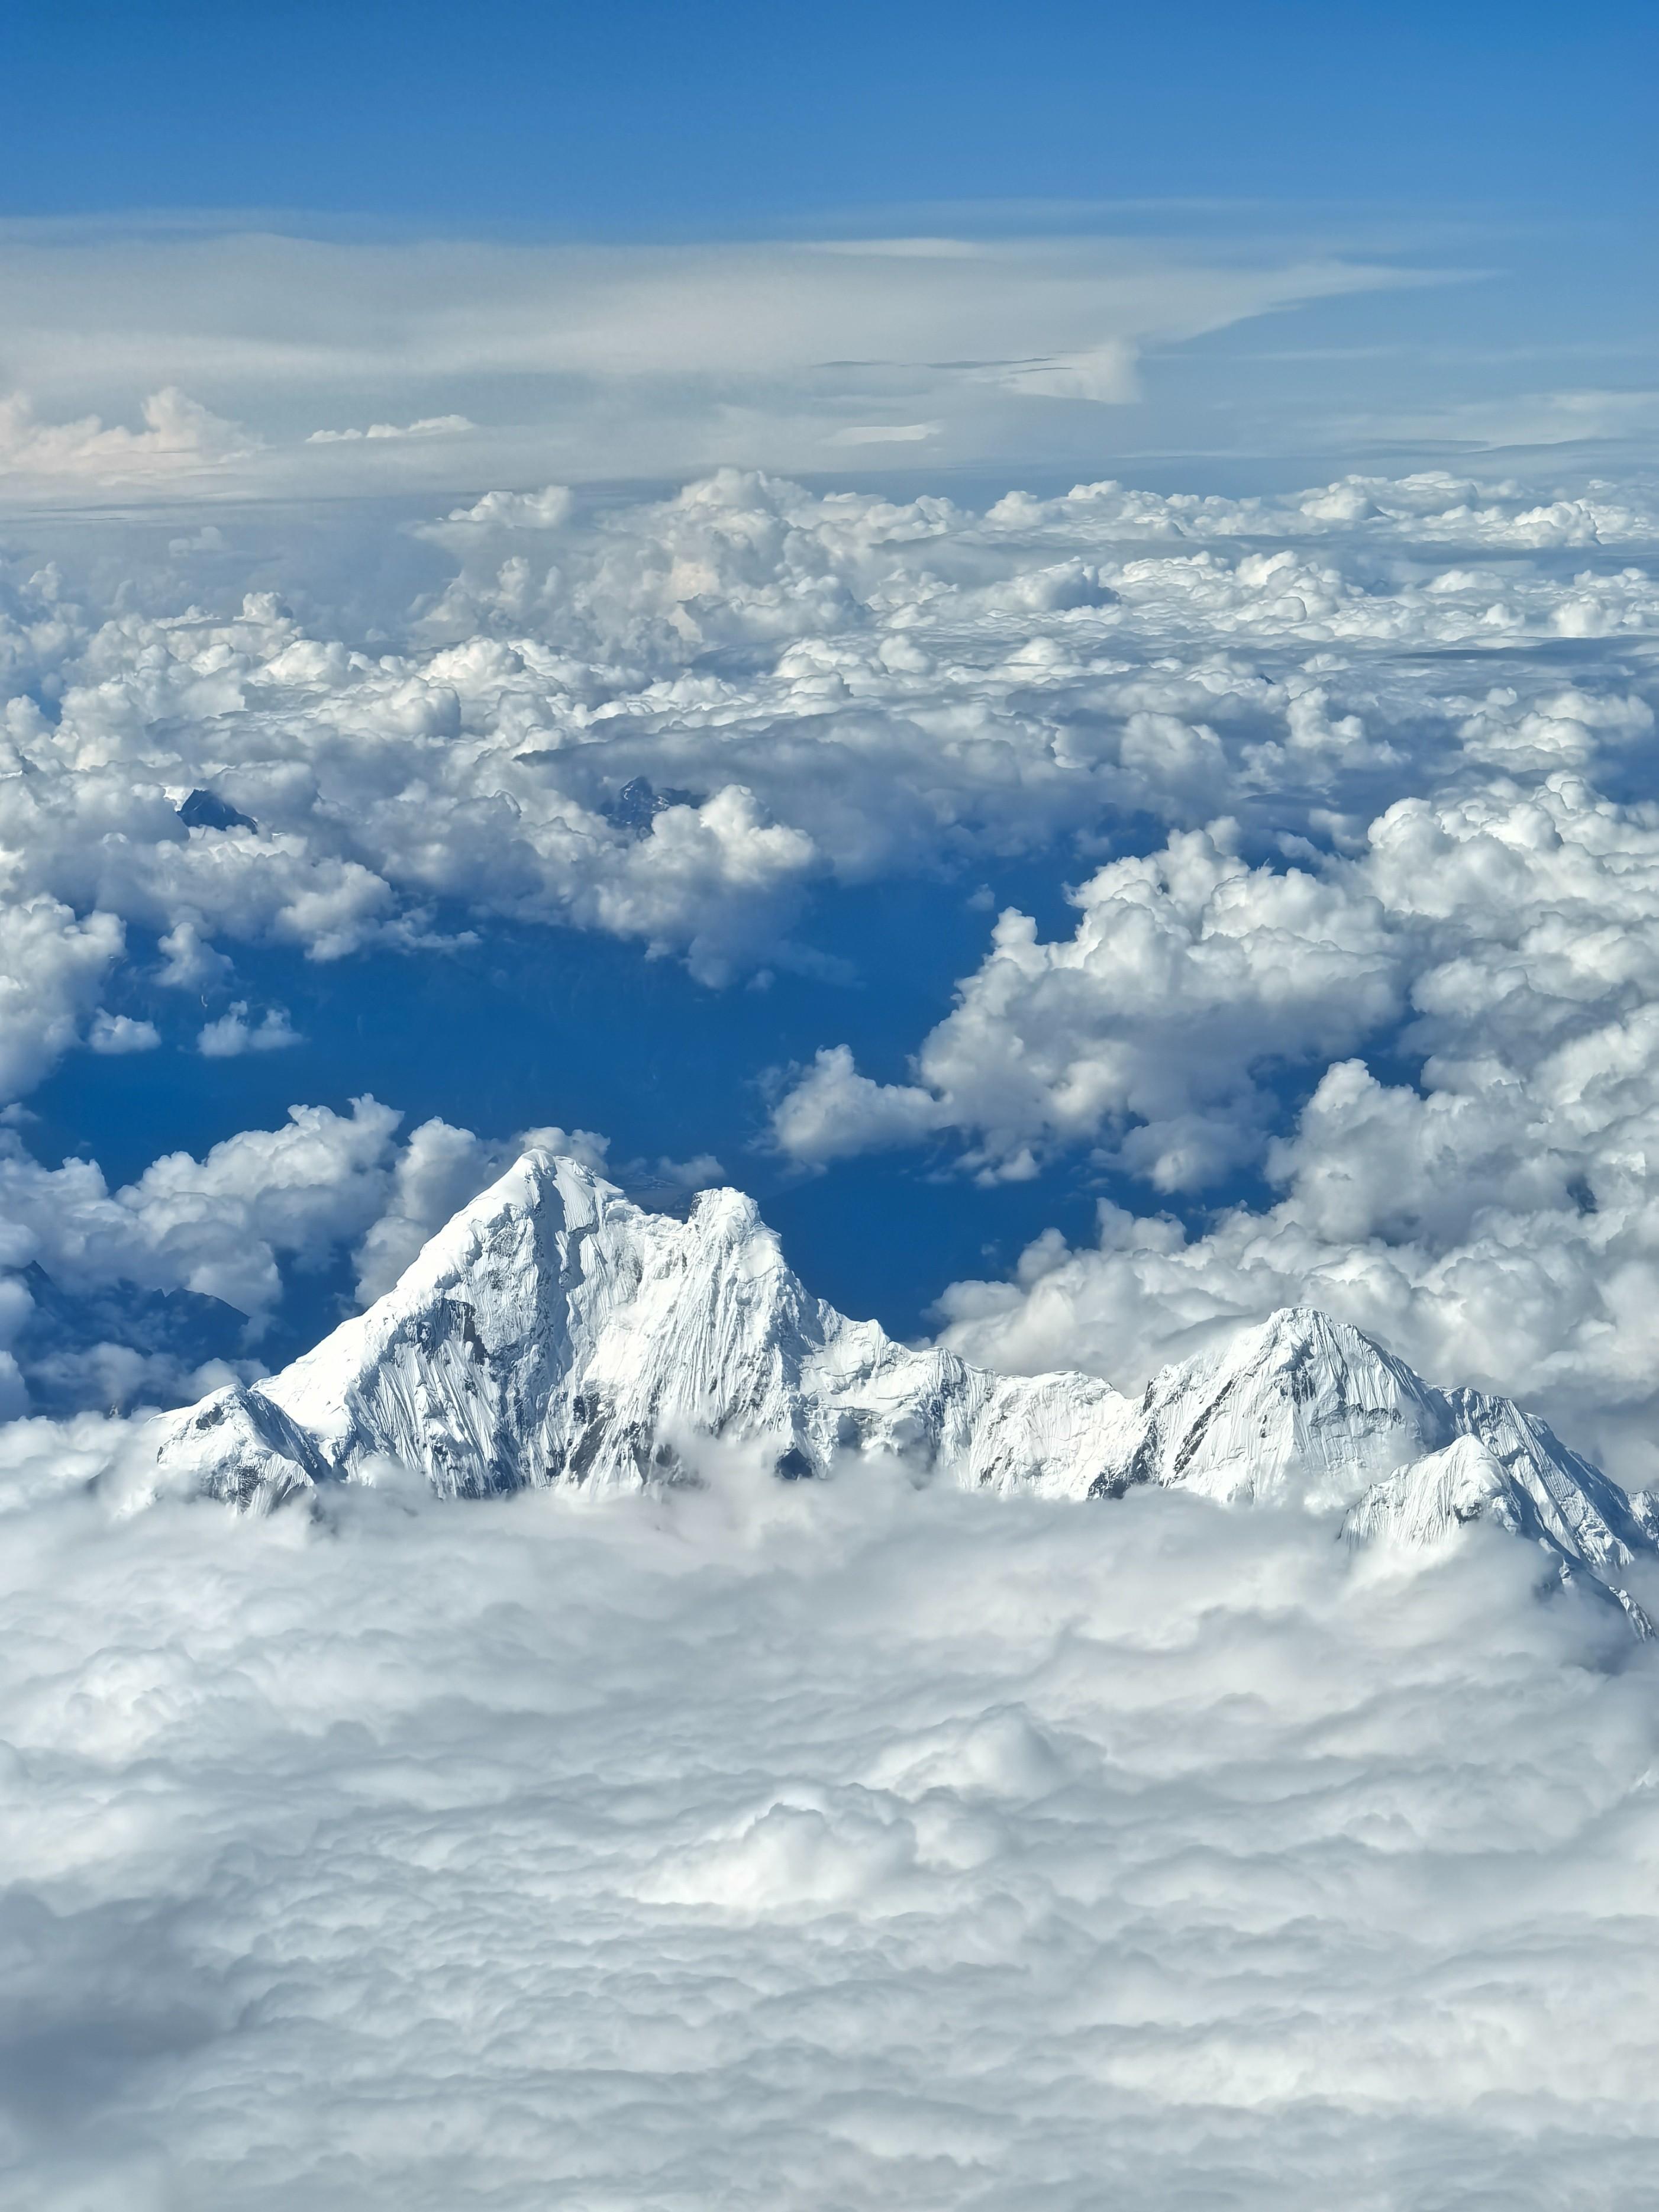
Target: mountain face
<point x="555" y="1333"/>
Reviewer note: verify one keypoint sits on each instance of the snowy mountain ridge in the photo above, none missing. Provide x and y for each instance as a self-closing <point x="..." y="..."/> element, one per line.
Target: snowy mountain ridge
<point x="554" y="1333"/>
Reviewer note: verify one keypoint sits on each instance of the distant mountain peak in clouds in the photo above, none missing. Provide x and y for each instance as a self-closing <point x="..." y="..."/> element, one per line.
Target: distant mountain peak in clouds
<point x="556" y="1334"/>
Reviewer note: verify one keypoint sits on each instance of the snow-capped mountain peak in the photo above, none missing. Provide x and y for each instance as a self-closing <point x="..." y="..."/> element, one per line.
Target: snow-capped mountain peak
<point x="1299" y="1407"/>
<point x="555" y="1333"/>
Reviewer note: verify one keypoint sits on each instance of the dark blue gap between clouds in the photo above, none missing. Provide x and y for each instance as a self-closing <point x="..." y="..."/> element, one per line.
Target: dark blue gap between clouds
<point x="535" y="1025"/>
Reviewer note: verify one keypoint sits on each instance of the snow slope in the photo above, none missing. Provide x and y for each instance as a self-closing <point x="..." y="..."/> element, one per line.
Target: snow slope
<point x="555" y="1333"/>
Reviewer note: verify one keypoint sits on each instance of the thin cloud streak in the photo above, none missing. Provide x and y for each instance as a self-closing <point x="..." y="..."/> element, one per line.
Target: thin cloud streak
<point x="598" y="361"/>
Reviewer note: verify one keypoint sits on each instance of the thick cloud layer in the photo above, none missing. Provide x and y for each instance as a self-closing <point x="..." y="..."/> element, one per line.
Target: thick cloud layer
<point x="856" y="1846"/>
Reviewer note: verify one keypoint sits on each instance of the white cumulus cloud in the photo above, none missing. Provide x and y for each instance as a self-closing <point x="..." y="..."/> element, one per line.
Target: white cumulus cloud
<point x="181" y="441"/>
<point x="115" y="1034"/>
<point x="233" y="1034"/>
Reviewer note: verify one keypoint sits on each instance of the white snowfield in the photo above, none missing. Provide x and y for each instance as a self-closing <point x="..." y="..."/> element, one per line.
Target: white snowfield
<point x="554" y="1333"/>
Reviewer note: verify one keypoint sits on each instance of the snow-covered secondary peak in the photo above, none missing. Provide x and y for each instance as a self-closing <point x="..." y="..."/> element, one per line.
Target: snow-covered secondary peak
<point x="1298" y="1407"/>
<point x="555" y="1333"/>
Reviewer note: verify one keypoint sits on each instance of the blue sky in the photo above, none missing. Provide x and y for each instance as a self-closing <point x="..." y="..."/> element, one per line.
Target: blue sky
<point x="654" y="119"/>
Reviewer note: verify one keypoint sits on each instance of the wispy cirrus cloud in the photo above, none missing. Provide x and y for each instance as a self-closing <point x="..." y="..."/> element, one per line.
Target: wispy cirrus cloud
<point x="587" y="360"/>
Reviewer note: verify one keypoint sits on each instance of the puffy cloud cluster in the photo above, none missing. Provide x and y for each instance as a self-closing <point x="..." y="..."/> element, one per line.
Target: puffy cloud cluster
<point x="181" y="442"/>
<point x="807" y="1843"/>
<point x="1378" y="753"/>
<point x="1493" y="1218"/>
<point x="216" y="1225"/>
<point x="1431" y="508"/>
<point x="225" y="1227"/>
<point x="1187" y="972"/>
<point x="1514" y="925"/>
<point x="233" y="1034"/>
<point x="815" y="688"/>
<point x="53" y="964"/>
